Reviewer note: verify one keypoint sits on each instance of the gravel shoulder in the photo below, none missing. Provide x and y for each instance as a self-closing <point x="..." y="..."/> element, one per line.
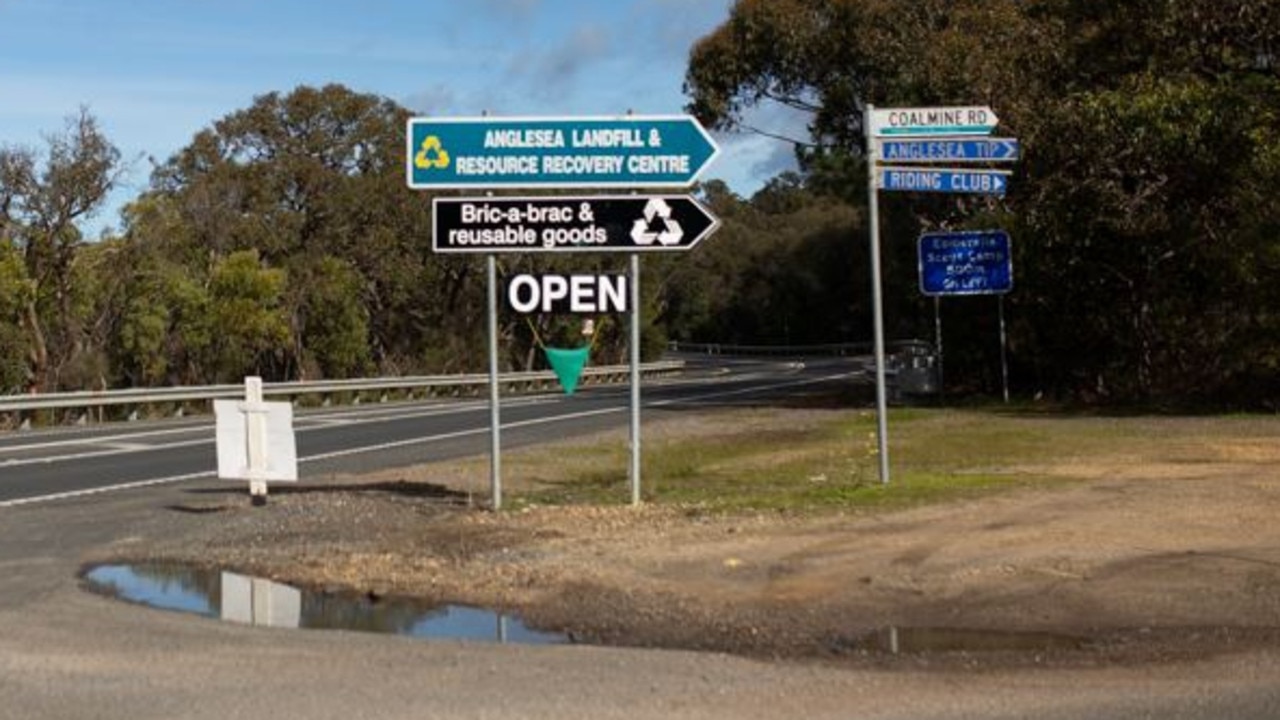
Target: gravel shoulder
<point x="1130" y="562"/>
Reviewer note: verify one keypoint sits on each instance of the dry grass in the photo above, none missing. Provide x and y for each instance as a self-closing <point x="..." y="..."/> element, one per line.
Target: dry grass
<point x="798" y="460"/>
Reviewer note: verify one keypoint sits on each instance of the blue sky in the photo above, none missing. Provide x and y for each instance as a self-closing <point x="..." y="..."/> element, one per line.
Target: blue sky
<point x="154" y="72"/>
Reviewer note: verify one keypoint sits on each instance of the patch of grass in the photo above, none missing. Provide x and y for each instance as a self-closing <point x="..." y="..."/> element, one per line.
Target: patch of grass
<point x="817" y="461"/>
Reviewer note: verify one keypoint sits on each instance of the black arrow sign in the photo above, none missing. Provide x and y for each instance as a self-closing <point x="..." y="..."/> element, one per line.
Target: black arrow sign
<point x="588" y="223"/>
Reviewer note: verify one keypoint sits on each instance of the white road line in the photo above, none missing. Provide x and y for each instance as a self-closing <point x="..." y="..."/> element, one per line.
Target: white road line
<point x="105" y="489"/>
<point x="302" y="424"/>
<point x="103" y="439"/>
<point x="571" y="416"/>
<point x="129" y="447"/>
<point x="89" y="455"/>
<point x="424" y="440"/>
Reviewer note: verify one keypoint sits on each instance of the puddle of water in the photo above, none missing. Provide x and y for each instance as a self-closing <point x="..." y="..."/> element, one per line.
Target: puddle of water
<point x="910" y="641"/>
<point x="257" y="601"/>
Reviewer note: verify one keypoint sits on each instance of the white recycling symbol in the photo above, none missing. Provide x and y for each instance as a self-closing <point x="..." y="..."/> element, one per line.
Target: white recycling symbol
<point x="671" y="233"/>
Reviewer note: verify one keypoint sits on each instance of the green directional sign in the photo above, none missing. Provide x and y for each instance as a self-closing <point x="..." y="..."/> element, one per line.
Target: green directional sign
<point x="556" y="152"/>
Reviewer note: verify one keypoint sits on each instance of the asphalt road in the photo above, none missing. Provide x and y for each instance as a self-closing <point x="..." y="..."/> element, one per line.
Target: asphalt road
<point x="66" y="462"/>
<point x="66" y="653"/>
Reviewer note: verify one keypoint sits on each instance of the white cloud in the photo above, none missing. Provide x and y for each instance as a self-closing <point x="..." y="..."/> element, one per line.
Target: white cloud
<point x="553" y="73"/>
<point x="750" y="159"/>
<point x="439" y="99"/>
<point x="675" y="25"/>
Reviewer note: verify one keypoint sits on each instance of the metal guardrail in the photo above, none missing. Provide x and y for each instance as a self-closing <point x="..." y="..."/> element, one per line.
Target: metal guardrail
<point x="838" y="349"/>
<point x="892" y="347"/>
<point x="192" y="393"/>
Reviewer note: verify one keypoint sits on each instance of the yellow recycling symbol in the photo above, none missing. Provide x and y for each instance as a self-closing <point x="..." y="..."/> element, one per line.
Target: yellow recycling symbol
<point x="431" y="155"/>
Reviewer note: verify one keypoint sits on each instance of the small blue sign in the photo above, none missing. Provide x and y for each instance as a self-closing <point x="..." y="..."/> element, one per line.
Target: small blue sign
<point x="976" y="262"/>
<point x="950" y="150"/>
<point x="556" y="152"/>
<point x="942" y="180"/>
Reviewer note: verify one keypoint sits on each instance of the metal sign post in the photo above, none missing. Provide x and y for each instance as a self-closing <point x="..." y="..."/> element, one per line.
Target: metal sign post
<point x="495" y="423"/>
<point x="923" y="135"/>
<point x="1004" y="343"/>
<point x="937" y="344"/>
<point x="635" y="379"/>
<point x="877" y="310"/>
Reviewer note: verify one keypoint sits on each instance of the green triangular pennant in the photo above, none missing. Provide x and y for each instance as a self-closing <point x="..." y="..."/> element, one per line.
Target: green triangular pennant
<point x="568" y="365"/>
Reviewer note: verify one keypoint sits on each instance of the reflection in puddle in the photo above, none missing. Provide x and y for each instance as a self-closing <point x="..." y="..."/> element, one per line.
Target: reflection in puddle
<point x="910" y="641"/>
<point x="256" y="601"/>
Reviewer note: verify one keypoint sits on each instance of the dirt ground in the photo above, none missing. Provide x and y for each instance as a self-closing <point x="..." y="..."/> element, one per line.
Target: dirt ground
<point x="1125" y="562"/>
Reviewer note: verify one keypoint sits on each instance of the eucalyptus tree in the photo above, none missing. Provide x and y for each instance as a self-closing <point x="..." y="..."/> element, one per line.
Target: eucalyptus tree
<point x="1142" y="213"/>
<point x="44" y="195"/>
<point x="313" y="181"/>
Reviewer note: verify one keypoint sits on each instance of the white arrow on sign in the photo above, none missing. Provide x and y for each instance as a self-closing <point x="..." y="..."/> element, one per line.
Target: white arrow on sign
<point x="962" y="120"/>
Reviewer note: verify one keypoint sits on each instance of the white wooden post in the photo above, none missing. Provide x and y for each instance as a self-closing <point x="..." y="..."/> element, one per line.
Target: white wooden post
<point x="255" y="412"/>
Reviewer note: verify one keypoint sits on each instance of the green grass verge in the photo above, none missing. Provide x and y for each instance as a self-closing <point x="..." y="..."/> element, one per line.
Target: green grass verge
<point x="806" y="462"/>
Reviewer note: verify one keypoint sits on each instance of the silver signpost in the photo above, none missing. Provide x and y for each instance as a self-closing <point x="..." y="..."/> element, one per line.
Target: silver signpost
<point x="1004" y="344"/>
<point x="634" y="473"/>
<point x="495" y="420"/>
<point x="904" y="136"/>
<point x="882" y="405"/>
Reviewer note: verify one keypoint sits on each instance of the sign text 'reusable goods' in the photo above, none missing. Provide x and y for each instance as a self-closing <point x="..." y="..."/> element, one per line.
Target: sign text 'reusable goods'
<point x="589" y="223"/>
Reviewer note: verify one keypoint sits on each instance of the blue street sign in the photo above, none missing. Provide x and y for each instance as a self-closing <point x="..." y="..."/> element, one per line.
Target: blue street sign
<point x="949" y="150"/>
<point x="966" y="263"/>
<point x="556" y="152"/>
<point x="943" y="180"/>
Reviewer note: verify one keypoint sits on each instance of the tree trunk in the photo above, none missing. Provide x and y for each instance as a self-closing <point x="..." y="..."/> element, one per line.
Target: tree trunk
<point x="39" y="355"/>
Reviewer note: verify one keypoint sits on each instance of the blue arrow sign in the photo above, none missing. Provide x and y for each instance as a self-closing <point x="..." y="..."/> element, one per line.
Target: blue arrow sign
<point x="556" y="152"/>
<point x="942" y="180"/>
<point x="966" y="263"/>
<point x="949" y="150"/>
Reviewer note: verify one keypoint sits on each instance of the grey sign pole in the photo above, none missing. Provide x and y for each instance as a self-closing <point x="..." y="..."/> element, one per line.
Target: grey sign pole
<point x="1004" y="360"/>
<point x="635" y="379"/>
<point x="495" y="443"/>
<point x="873" y="205"/>
<point x="635" y="375"/>
<point x="937" y="335"/>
